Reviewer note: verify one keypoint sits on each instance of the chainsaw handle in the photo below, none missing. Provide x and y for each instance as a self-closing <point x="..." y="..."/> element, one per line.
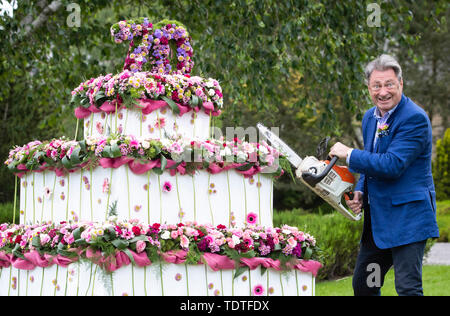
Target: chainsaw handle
<point x="313" y="179"/>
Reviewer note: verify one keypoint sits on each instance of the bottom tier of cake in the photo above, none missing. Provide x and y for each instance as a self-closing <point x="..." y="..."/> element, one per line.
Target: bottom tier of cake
<point x="87" y="279"/>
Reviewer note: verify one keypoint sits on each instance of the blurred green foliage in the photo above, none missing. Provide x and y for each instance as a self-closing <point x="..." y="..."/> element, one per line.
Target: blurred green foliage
<point x="292" y="64"/>
<point x="441" y="167"/>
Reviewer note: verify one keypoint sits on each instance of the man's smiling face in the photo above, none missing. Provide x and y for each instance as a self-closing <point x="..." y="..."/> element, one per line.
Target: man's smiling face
<point x="385" y="89"/>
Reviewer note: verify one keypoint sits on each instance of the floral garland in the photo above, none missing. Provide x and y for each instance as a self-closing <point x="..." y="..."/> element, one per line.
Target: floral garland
<point x="127" y="87"/>
<point x="144" y="244"/>
<point x="184" y="155"/>
<point x="150" y="44"/>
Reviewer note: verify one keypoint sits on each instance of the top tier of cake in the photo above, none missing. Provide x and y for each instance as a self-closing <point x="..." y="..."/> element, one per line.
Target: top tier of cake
<point x="148" y="105"/>
<point x="155" y="84"/>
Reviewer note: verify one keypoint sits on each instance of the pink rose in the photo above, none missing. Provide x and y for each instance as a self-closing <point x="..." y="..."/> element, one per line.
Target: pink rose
<point x="230" y="243"/>
<point x="69" y="239"/>
<point x="140" y="246"/>
<point x="184" y="242"/>
<point x="174" y="234"/>
<point x="292" y="242"/>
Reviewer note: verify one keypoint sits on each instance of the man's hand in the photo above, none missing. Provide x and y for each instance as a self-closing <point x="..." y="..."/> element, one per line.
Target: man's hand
<point x="356" y="204"/>
<point x="339" y="150"/>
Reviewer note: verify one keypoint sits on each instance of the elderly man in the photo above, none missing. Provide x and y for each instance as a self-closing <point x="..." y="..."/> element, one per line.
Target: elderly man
<point x="396" y="188"/>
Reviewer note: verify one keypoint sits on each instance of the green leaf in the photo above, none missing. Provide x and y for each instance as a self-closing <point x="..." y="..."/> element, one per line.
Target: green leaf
<point x="172" y="104"/>
<point x="307" y="254"/>
<point x="82" y="145"/>
<point x="115" y="151"/>
<point x="36" y="243"/>
<point x="81" y="242"/>
<point x="194" y="102"/>
<point x="17" y="252"/>
<point x="76" y="233"/>
<point x="137" y="238"/>
<point x="127" y="251"/>
<point x="248" y="254"/>
<point x="120" y="244"/>
<point x="66" y="162"/>
<point x="239" y="271"/>
<point x="84" y="102"/>
<point x="75" y="100"/>
<point x="75" y="156"/>
<point x="62" y="250"/>
<point x="246" y="167"/>
<point x="163" y="163"/>
<point x="263" y="270"/>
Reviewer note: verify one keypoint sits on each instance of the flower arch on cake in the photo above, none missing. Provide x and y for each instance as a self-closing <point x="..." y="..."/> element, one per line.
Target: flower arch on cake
<point x="153" y="46"/>
<point x="155" y="74"/>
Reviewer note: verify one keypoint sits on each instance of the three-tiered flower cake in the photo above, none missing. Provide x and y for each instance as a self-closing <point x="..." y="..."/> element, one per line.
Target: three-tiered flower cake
<point x="148" y="203"/>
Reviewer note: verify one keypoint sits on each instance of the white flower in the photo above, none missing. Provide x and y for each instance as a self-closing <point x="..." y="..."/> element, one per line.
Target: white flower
<point x="209" y="84"/>
<point x="165" y="235"/>
<point x="263" y="150"/>
<point x="145" y="144"/>
<point x="225" y="152"/>
<point x="211" y="92"/>
<point x="241" y="156"/>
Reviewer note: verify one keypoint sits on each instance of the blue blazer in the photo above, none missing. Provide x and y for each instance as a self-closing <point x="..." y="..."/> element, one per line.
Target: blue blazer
<point x="396" y="176"/>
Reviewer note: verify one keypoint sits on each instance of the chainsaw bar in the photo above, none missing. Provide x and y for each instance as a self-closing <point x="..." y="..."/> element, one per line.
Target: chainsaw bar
<point x="276" y="142"/>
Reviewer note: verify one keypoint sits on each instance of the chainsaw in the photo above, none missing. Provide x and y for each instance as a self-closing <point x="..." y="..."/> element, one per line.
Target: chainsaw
<point x="323" y="177"/>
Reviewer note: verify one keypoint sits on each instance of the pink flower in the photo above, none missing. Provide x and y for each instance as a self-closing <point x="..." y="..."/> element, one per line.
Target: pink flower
<point x="270" y="159"/>
<point x="230" y="243"/>
<point x="105" y="188"/>
<point x="134" y="144"/>
<point x="258" y="290"/>
<point x="44" y="239"/>
<point x="174" y="234"/>
<point x="184" y="242"/>
<point x="167" y="186"/>
<point x="178" y="277"/>
<point x="140" y="246"/>
<point x="160" y="122"/>
<point x="248" y="241"/>
<point x="69" y="239"/>
<point x="292" y="242"/>
<point x="99" y="127"/>
<point x="176" y="148"/>
<point x="47" y="193"/>
<point x="252" y="218"/>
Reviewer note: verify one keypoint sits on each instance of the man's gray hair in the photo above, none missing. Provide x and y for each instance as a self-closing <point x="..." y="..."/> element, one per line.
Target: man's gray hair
<point x="382" y="63"/>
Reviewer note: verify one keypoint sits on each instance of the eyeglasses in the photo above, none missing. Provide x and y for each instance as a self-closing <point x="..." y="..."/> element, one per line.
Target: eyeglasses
<point x="378" y="86"/>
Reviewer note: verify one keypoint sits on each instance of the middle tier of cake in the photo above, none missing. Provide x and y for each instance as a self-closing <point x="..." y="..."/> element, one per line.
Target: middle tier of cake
<point x="226" y="198"/>
<point x="160" y="123"/>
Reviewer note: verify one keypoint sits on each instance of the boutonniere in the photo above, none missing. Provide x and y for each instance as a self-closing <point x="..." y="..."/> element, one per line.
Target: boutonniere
<point x="383" y="130"/>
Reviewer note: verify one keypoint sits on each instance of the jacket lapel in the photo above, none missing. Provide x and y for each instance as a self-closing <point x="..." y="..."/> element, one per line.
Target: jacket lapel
<point x="371" y="128"/>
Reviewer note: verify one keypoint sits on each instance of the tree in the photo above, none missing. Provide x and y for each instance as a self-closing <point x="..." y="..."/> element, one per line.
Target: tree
<point x="427" y="74"/>
<point x="295" y="64"/>
<point x="441" y="167"/>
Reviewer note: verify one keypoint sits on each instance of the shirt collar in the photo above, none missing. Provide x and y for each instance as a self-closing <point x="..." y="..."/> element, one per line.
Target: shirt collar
<point x="378" y="116"/>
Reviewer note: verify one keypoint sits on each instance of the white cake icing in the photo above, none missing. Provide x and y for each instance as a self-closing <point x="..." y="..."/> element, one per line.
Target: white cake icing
<point x="87" y="279"/>
<point x="160" y="123"/>
<point x="205" y="198"/>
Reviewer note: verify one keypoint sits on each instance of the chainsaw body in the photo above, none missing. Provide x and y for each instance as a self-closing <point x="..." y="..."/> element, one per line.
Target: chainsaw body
<point x="329" y="181"/>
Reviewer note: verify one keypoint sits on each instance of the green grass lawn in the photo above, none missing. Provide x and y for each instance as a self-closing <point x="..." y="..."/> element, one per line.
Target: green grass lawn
<point x="436" y="282"/>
